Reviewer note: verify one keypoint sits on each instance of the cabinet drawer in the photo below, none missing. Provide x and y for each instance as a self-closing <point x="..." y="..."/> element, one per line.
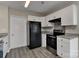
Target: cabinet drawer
<point x="59" y="50"/>
<point x="59" y="41"/>
<point x="63" y="41"/>
<point x="43" y="40"/>
<point x="63" y="47"/>
<point x="64" y="44"/>
<point x="63" y="52"/>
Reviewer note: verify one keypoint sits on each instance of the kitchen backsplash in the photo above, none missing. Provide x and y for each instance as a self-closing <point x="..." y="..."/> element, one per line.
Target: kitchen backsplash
<point x="48" y="29"/>
<point x="68" y="29"/>
<point x="58" y="26"/>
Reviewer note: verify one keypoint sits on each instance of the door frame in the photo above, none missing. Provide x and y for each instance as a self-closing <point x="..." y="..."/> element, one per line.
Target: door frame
<point x="10" y="30"/>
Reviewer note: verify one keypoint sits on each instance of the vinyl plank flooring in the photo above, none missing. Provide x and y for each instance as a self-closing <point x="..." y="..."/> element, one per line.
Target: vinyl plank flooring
<point x="42" y="55"/>
<point x="29" y="55"/>
<point x="49" y="55"/>
<point x="25" y="52"/>
<point x="16" y="53"/>
<point x="12" y="54"/>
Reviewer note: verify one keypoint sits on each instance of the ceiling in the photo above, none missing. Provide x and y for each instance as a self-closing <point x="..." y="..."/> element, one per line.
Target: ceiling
<point x="36" y="6"/>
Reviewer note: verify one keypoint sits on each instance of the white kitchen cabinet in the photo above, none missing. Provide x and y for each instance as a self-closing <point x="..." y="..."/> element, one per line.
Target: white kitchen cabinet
<point x="67" y="47"/>
<point x="47" y="18"/>
<point x="39" y="19"/>
<point x="54" y="15"/>
<point x="43" y="40"/>
<point x="34" y="18"/>
<point x="5" y="46"/>
<point x="69" y="15"/>
<point x="43" y="22"/>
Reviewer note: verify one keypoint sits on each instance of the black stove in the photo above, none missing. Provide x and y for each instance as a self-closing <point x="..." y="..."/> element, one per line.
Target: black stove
<point x="51" y="41"/>
<point x="52" y="38"/>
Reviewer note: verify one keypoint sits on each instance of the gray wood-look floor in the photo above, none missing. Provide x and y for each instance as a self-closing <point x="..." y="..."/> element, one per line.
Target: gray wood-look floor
<point x="25" y="52"/>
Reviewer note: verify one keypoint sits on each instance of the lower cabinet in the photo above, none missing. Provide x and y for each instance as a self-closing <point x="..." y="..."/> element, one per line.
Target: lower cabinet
<point x="5" y="46"/>
<point x="43" y="40"/>
<point x="67" y="47"/>
<point x="1" y="48"/>
<point x="1" y="54"/>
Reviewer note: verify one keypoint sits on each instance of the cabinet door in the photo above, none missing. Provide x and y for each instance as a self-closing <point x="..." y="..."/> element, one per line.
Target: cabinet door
<point x="47" y="18"/>
<point x="69" y="15"/>
<point x="34" y="18"/>
<point x="5" y="46"/>
<point x="65" y="47"/>
<point x="43" y="40"/>
<point x="46" y="21"/>
<point x="59" y="48"/>
<point x="43" y="22"/>
<point x="51" y="16"/>
<point x="30" y="18"/>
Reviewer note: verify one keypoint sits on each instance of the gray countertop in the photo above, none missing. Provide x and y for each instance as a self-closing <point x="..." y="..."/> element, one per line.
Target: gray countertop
<point x="3" y="34"/>
<point x="69" y="35"/>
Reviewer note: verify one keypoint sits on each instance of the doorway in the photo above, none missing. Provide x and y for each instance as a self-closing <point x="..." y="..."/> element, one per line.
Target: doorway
<point x="17" y="31"/>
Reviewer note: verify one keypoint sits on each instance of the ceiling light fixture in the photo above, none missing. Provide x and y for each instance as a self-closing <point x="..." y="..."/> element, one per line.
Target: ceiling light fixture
<point x="27" y="4"/>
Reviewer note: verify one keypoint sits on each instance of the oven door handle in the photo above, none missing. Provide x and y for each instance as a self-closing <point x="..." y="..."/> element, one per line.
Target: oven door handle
<point x="52" y="37"/>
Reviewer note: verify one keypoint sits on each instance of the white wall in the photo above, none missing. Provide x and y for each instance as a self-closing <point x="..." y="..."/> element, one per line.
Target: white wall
<point x="3" y="19"/>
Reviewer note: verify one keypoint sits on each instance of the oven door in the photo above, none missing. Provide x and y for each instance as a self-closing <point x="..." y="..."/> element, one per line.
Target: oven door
<point x="52" y="41"/>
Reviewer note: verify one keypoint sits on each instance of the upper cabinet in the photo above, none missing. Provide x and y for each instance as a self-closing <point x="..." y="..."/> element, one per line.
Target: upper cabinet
<point x="38" y="19"/>
<point x="34" y="18"/>
<point x="53" y="15"/>
<point x="68" y="15"/>
<point x="43" y="20"/>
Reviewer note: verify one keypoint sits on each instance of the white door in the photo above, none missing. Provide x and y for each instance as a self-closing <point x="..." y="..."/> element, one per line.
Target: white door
<point x="17" y="31"/>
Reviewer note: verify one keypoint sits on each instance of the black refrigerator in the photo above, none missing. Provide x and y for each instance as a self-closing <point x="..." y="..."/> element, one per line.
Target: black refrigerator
<point x="34" y="34"/>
